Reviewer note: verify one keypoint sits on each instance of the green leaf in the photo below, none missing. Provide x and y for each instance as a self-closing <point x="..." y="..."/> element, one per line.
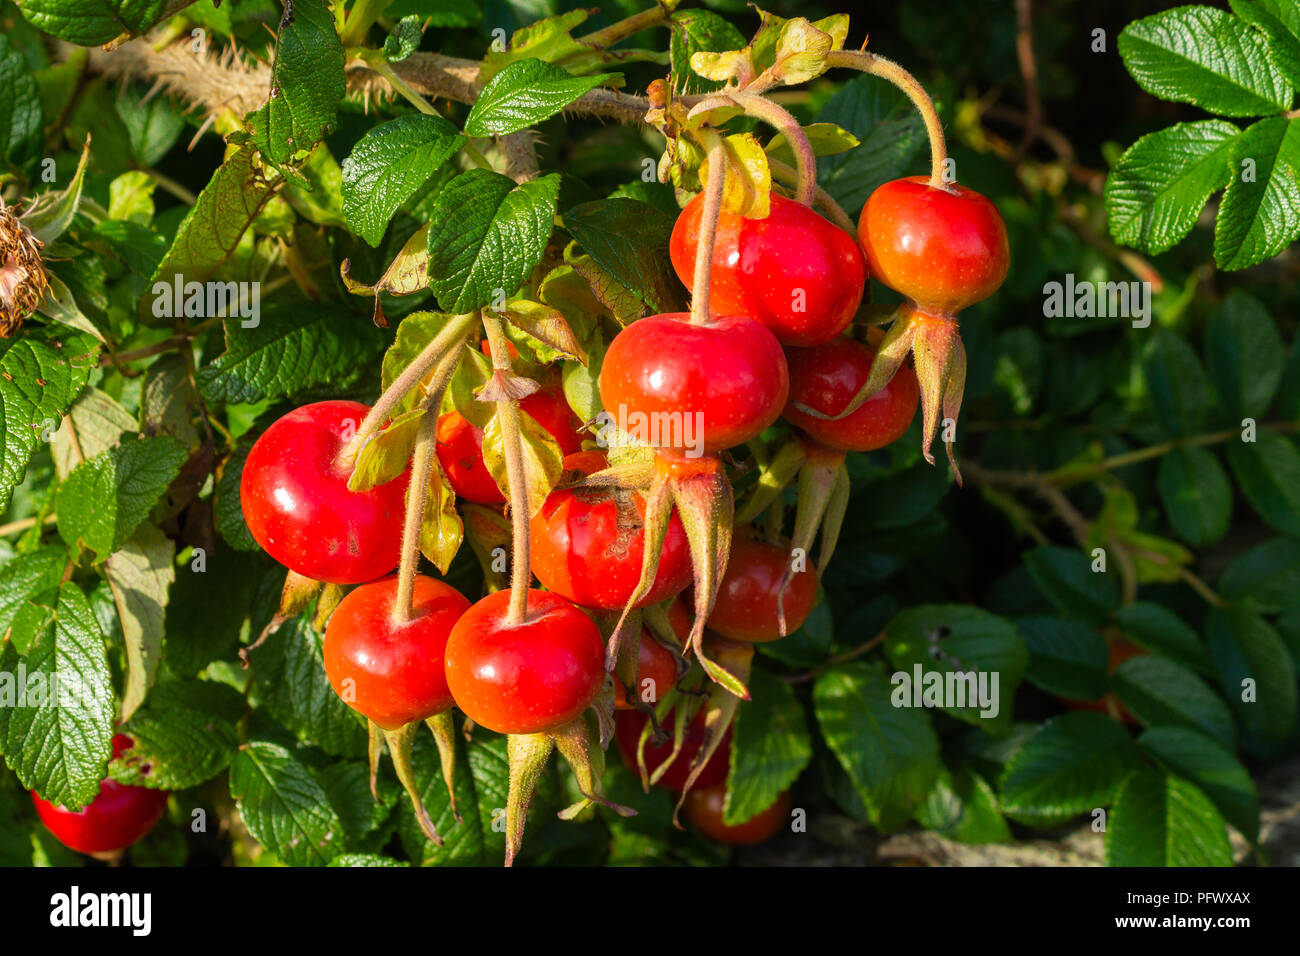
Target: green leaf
<point x="1245" y="355"/>
<point x="39" y="378"/>
<point x="227" y="514"/>
<point x="225" y="208"/>
<point x="50" y="214"/>
<point x="105" y="498"/>
<point x="1073" y="764"/>
<point x="24" y="576"/>
<point x="404" y="40"/>
<point x="1157" y="189"/>
<point x="59" y="743"/>
<point x="284" y="806"/>
<point x="289" y="350"/>
<point x="892" y="135"/>
<point x="1268" y="472"/>
<point x="890" y="753"/>
<point x="95" y="22"/>
<point x="1267" y="576"/>
<point x="1205" y="57"/>
<point x="481" y="782"/>
<point x="388" y="165"/>
<point x="289" y="676"/>
<point x="695" y="31"/>
<point x="542" y="456"/>
<point x="1161" y="631"/>
<point x="964" y="641"/>
<point x="485" y="236"/>
<point x="152" y="126"/>
<point x="1066" y="578"/>
<point x="1066" y="657"/>
<point x="1179" y="390"/>
<point x="769" y="749"/>
<point x="1163" y="820"/>
<point x="1260" y="212"/>
<point x="963" y="807"/>
<point x="1196" y="494"/>
<point x="20" y="108"/>
<point x="1159" y="691"/>
<point x="307" y="84"/>
<point x="524" y="94"/>
<point x="365" y="859"/>
<point x="1212" y="768"/>
<point x="1279" y="21"/>
<point x="183" y="737"/>
<point x="140" y="575"/>
<point x="1245" y="647"/>
<point x="629" y="240"/>
<point x="196" y="637"/>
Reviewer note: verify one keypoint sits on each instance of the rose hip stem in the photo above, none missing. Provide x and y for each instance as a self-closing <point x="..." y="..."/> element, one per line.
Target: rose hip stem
<point x="891" y="71"/>
<point x="512" y="446"/>
<point x="418" y="489"/>
<point x="761" y="108"/>
<point x="447" y="340"/>
<point x="717" y="156"/>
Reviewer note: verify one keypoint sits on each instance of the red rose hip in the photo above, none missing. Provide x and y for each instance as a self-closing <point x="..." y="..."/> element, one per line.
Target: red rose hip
<point x="944" y="248"/>
<point x="747" y="608"/>
<point x="794" y="271"/>
<point x="388" y="670"/>
<point x="295" y="498"/>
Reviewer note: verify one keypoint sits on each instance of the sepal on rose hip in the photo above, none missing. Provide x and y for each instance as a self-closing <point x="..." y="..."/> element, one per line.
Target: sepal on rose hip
<point x="295" y="597"/>
<point x="736" y="658"/>
<point x="399" y="743"/>
<point x="443" y="728"/>
<point x="527" y="755"/>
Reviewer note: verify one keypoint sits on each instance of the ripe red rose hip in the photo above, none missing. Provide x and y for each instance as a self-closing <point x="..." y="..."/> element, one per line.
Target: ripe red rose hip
<point x="528" y="677"/>
<point x="827" y="377"/>
<point x="794" y="271"/>
<point x="703" y="808"/>
<point x="120" y="815"/>
<point x="656" y="673"/>
<point x="388" y="670"/>
<point x="747" y="608"/>
<point x="295" y="498"/>
<point x="943" y="248"/>
<point x="702" y="388"/>
<point x="587" y="545"/>
<point x="460" y="444"/>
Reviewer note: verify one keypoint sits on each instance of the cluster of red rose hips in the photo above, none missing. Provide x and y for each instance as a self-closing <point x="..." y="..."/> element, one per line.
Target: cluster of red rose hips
<point x="766" y="338"/>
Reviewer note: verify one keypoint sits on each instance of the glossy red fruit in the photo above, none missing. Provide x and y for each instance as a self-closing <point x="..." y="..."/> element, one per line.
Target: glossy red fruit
<point x="794" y="271"/>
<point x="655" y="663"/>
<point x="703" y="808"/>
<point x="627" y="734"/>
<point x="295" y="498"/>
<point x="460" y="444"/>
<point x="746" y="609"/>
<point x="701" y="387"/>
<point x="587" y="544"/>
<point x="528" y="677"/>
<point x="945" y="249"/>
<point x="119" y="816"/>
<point x="388" y="671"/>
<point x="827" y="377"/>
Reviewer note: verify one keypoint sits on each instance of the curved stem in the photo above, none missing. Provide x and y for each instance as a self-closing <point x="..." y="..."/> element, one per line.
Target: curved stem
<point x="717" y="157"/>
<point x="512" y="445"/>
<point x="761" y="108"/>
<point x="821" y="198"/>
<point x="624" y="28"/>
<point x="443" y="343"/>
<point x="891" y="71"/>
<point x="418" y="490"/>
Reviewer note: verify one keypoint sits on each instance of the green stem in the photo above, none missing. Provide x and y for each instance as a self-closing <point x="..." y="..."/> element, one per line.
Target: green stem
<point x="891" y="71"/>
<point x="624" y="28"/>
<point x="450" y="338"/>
<point x="761" y="108"/>
<point x="360" y="19"/>
<point x="717" y="156"/>
<point x="821" y="198"/>
<point x="512" y="446"/>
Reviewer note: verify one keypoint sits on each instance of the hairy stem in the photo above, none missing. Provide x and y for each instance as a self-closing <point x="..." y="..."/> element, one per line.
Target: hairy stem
<point x="821" y="198"/>
<point x="891" y="71"/>
<point x="776" y="116"/>
<point x="624" y="28"/>
<point x="717" y="150"/>
<point x="512" y="445"/>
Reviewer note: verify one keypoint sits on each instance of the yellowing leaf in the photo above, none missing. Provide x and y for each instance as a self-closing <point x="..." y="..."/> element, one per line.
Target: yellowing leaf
<point x="407" y="273"/>
<point x="748" y="187"/>
<point x="543" y="459"/>
<point x="385" y="455"/>
<point x="801" y="51"/>
<point x="545" y="331"/>
<point x="441" y="531"/>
